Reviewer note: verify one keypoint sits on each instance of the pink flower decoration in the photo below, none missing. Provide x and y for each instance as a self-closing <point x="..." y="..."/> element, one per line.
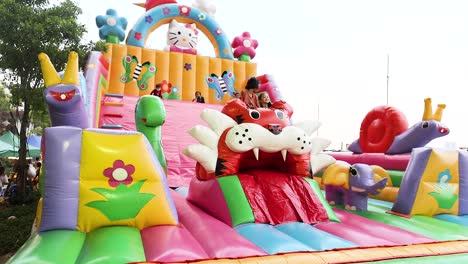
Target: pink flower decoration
<point x="137" y="35"/>
<point x="184" y="10"/>
<point x="192" y="28"/>
<point x="148" y="19"/>
<point x="244" y="44"/>
<point x="119" y="173"/>
<point x="218" y="31"/>
<point x="166" y="10"/>
<point x="166" y="87"/>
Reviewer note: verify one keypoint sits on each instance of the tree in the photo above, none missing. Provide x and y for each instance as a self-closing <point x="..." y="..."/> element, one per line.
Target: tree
<point x="30" y="27"/>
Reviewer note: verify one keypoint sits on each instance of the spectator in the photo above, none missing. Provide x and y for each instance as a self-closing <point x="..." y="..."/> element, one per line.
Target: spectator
<point x="264" y="100"/>
<point x="3" y="180"/>
<point x="249" y="94"/>
<point x="35" y="181"/>
<point x="198" y="98"/>
<point x="31" y="172"/>
<point x="157" y="91"/>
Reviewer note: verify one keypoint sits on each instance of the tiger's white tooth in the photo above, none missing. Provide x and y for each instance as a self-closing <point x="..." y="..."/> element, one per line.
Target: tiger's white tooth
<point x="284" y="152"/>
<point x="255" y="151"/>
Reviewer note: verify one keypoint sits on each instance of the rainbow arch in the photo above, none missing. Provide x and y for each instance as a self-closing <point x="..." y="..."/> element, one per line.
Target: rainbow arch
<point x="163" y="14"/>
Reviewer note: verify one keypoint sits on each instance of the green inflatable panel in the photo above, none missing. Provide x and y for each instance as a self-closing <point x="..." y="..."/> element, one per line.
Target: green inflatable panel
<point x="237" y="202"/>
<point x="114" y="244"/>
<point x="422" y="225"/>
<point x="396" y="177"/>
<point x="44" y="248"/>
<point x="315" y="186"/>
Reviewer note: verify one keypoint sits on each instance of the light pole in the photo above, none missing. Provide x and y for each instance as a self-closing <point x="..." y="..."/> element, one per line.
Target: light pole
<point x="388" y="71"/>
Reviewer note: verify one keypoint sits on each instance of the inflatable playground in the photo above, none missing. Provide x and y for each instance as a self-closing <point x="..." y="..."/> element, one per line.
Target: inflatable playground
<point x="134" y="178"/>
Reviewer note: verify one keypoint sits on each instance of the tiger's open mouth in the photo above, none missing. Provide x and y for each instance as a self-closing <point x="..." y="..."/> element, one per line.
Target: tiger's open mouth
<point x="63" y="96"/>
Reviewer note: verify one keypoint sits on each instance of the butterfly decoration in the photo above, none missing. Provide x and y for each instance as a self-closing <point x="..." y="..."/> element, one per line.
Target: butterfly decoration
<point x="223" y="85"/>
<point x="130" y="75"/>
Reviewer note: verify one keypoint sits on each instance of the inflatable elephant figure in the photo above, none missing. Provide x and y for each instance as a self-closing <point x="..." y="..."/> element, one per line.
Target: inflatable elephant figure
<point x="349" y="185"/>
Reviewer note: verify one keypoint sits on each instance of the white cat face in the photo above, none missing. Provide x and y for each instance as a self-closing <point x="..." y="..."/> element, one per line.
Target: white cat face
<point x="182" y="35"/>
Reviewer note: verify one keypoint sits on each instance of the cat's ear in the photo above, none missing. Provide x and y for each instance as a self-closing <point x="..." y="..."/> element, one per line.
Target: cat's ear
<point x="193" y="26"/>
<point x="173" y="23"/>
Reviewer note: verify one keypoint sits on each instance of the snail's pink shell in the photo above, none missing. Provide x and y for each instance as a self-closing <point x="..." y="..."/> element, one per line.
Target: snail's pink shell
<point x="379" y="128"/>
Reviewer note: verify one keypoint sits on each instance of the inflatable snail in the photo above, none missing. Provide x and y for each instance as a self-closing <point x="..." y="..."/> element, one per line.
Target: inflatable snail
<point x="385" y="130"/>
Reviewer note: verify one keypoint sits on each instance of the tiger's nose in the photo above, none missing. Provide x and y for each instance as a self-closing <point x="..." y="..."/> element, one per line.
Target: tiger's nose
<point x="275" y="128"/>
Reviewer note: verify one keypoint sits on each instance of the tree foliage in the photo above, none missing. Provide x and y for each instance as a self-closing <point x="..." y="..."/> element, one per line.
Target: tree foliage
<point x="30" y="27"/>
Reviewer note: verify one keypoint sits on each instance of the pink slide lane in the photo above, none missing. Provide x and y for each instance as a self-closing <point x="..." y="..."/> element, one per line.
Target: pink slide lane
<point x="170" y="244"/>
<point x="217" y="239"/>
<point x="365" y="232"/>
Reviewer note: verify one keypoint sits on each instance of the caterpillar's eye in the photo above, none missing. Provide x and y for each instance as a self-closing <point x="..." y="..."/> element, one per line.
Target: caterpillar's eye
<point x="254" y="114"/>
<point x="353" y="171"/>
<point x="425" y="124"/>
<point x="279" y="114"/>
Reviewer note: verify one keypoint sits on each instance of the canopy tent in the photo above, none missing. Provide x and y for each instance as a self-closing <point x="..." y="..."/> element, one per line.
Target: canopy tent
<point x="9" y="146"/>
<point x="35" y="141"/>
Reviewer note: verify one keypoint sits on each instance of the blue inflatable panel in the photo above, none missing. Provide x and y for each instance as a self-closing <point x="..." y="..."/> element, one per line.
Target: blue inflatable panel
<point x="313" y="237"/>
<point x="381" y="203"/>
<point x="269" y="239"/>
<point x="182" y="191"/>
<point x="457" y="219"/>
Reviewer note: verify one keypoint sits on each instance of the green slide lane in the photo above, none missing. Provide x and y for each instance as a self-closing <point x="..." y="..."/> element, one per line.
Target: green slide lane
<point x="115" y="244"/>
<point x="423" y="225"/>
<point x="44" y="248"/>
<point x="446" y="259"/>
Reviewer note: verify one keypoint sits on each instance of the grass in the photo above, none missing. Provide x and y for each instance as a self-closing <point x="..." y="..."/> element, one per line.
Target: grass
<point x="15" y="232"/>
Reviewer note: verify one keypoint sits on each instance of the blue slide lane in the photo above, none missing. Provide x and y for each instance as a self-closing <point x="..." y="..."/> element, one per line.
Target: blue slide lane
<point x="270" y="240"/>
<point x="461" y="219"/>
<point x="313" y="237"/>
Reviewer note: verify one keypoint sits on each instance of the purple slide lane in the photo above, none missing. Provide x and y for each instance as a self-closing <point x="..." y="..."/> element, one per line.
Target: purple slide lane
<point x="216" y="238"/>
<point x="366" y="232"/>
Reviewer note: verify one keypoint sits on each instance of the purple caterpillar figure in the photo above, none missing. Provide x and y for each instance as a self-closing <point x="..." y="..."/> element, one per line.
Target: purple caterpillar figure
<point x="63" y="96"/>
<point x="385" y="130"/>
<point x="350" y="185"/>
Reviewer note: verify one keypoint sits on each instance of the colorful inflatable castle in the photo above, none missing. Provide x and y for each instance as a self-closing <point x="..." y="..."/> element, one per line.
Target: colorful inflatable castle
<point x="135" y="178"/>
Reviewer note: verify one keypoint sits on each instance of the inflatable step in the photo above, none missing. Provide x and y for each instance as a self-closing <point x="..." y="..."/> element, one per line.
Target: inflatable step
<point x="112" y="126"/>
<point x="113" y="115"/>
<point x="109" y="103"/>
<point x="114" y="95"/>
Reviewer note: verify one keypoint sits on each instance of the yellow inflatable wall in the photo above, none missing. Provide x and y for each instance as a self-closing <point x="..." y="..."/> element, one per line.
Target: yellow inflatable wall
<point x="186" y="72"/>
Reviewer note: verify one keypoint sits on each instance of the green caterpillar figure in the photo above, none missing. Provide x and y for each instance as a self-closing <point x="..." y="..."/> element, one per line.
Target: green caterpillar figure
<point x="150" y="115"/>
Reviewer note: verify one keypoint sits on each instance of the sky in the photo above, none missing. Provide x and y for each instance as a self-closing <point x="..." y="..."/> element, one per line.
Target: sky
<point x="330" y="57"/>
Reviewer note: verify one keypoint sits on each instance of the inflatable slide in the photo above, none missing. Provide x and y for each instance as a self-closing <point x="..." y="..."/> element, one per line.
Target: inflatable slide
<point x="135" y="178"/>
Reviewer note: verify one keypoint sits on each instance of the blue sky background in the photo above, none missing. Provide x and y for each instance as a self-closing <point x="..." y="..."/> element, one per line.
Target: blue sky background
<point x="332" y="55"/>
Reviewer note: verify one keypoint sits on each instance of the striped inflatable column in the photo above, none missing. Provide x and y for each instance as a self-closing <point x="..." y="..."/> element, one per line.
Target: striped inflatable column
<point x="131" y="87"/>
<point x="175" y="72"/>
<point x="148" y="55"/>
<point x="227" y="65"/>
<point x="189" y="66"/>
<point x="203" y="68"/>
<point x="162" y="66"/>
<point x="215" y="67"/>
<point x="250" y="70"/>
<point x="116" y="69"/>
<point x="239" y="73"/>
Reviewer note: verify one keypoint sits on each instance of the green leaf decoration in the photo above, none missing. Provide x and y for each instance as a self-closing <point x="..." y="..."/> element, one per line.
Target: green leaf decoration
<point x="125" y="202"/>
<point x="445" y="195"/>
<point x="173" y="96"/>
